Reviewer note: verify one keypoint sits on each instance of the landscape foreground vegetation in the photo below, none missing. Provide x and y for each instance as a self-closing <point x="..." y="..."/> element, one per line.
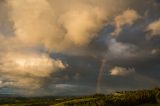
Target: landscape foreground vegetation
<point x="122" y="98"/>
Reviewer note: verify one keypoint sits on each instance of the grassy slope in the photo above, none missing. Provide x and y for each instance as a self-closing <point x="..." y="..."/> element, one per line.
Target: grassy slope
<point x="127" y="96"/>
<point x="74" y="101"/>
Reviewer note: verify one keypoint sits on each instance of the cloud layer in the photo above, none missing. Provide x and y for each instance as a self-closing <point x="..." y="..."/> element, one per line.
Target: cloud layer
<point x="58" y="47"/>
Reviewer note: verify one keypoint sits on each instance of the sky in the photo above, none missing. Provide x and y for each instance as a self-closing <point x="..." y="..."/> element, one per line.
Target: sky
<point x="78" y="47"/>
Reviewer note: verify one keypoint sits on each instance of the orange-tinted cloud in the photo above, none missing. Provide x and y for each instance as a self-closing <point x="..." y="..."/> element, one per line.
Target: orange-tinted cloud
<point x="154" y="28"/>
<point x="128" y="18"/>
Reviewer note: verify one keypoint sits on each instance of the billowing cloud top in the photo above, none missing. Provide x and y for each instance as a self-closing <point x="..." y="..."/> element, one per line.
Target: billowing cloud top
<point x="58" y="47"/>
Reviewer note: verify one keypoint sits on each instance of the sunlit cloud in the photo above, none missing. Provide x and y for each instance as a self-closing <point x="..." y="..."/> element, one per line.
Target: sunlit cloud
<point x="127" y="18"/>
<point x="60" y="31"/>
<point x="154" y="28"/>
<point x="60" y="28"/>
<point x="26" y="69"/>
<point x="121" y="71"/>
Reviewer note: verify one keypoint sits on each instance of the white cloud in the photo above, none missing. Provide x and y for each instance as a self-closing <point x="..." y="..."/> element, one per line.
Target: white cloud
<point x="27" y="70"/>
<point x="65" y="86"/>
<point x="121" y="71"/>
<point x="154" y="51"/>
<point x="120" y="50"/>
<point x="5" y="84"/>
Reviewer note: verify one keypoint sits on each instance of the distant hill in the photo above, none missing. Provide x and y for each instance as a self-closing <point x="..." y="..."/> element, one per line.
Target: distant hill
<point x="8" y="95"/>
